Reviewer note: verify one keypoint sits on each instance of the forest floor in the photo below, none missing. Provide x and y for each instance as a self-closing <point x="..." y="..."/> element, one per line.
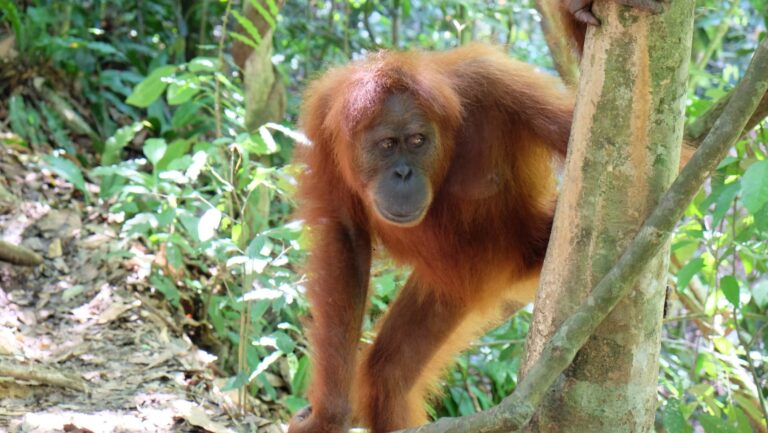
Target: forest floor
<point x="84" y="346"/>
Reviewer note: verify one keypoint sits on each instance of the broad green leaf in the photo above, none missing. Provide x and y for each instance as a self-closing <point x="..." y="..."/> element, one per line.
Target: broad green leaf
<point x="264" y="13"/>
<point x="154" y="149"/>
<point x="208" y="224"/>
<point x="712" y="424"/>
<point x="273" y="7"/>
<point x="117" y="142"/>
<point x="760" y="293"/>
<point x="730" y="287"/>
<point x="265" y="363"/>
<point x="754" y="186"/>
<point x="284" y="342"/>
<point x="300" y="379"/>
<point x="165" y="286"/>
<point x="687" y="272"/>
<point x="726" y="194"/>
<point x="738" y="419"/>
<point x="244" y="39"/>
<point x="174" y="256"/>
<point x="181" y="92"/>
<point x="723" y="345"/>
<point x="103" y="48"/>
<point x="674" y="421"/>
<point x="146" y="92"/>
<point x="294" y="403"/>
<point x="248" y="26"/>
<point x="67" y="170"/>
<point x="176" y="149"/>
<point x="186" y="115"/>
<point x="11" y="14"/>
<point x="203" y="64"/>
<point x="236" y="381"/>
<point x="269" y="141"/>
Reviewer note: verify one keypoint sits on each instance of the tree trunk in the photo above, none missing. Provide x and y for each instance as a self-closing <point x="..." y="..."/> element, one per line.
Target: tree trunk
<point x="624" y="152"/>
<point x="264" y="89"/>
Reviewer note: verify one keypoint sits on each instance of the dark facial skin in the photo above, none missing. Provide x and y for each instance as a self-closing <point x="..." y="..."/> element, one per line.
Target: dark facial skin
<point x="398" y="151"/>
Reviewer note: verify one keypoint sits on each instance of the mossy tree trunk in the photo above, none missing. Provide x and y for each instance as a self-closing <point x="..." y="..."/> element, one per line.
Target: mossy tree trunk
<point x="265" y="99"/>
<point x="624" y="153"/>
<point x="264" y="88"/>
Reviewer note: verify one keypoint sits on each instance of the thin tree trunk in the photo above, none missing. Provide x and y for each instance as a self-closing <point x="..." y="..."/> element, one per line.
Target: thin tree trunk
<point x="624" y="152"/>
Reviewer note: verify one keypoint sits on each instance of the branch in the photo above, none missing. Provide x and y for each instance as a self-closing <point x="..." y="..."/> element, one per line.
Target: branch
<point x="44" y="375"/>
<point x="18" y="255"/>
<point x="515" y="411"/>
<point x="563" y="55"/>
<point x="698" y="130"/>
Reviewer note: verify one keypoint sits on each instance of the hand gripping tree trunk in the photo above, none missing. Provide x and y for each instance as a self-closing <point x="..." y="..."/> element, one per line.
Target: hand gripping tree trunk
<point x="624" y="154"/>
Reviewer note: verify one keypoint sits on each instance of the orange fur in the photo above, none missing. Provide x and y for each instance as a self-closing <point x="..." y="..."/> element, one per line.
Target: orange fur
<point x="479" y="247"/>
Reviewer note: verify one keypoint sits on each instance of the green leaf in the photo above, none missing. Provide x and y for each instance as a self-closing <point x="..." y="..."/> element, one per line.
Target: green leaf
<point x="117" y="142"/>
<point x="300" y="379"/>
<point x="177" y="149"/>
<point x="11" y="13"/>
<point x="154" y="149"/>
<point x="186" y="114"/>
<point x="294" y="404"/>
<point x="146" y="92"/>
<point x="245" y="40"/>
<point x="730" y="287"/>
<point x="264" y="13"/>
<point x="284" y="342"/>
<point x="760" y="293"/>
<point x="248" y="26"/>
<point x="726" y="194"/>
<point x="687" y="272"/>
<point x="738" y="419"/>
<point x="713" y="424"/>
<point x="236" y="381"/>
<point x="203" y="64"/>
<point x="673" y="420"/>
<point x="165" y="286"/>
<point x="273" y="7"/>
<point x="754" y="186"/>
<point x="181" y="92"/>
<point x="67" y="170"/>
<point x="208" y="224"/>
<point x="103" y="48"/>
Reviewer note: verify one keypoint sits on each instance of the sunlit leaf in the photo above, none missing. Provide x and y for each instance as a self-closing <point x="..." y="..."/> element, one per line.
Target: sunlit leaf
<point x="713" y="424"/>
<point x="248" y="26"/>
<point x="730" y="287"/>
<point x="265" y="14"/>
<point x="687" y="272"/>
<point x="154" y="149"/>
<point x="68" y="171"/>
<point x="755" y="186"/>
<point x="165" y="286"/>
<point x="179" y="93"/>
<point x="117" y="142"/>
<point x="146" y="92"/>
<point x="760" y="293"/>
<point x="208" y="224"/>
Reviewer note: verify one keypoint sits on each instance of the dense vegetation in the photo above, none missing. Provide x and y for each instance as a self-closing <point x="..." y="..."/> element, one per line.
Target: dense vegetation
<point x="144" y="100"/>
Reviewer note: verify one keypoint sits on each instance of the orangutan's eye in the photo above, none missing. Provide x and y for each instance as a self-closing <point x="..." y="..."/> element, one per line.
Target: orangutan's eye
<point x="416" y="140"/>
<point x="387" y="143"/>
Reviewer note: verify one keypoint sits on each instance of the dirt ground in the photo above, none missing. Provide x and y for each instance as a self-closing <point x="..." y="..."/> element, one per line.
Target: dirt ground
<point x="84" y="345"/>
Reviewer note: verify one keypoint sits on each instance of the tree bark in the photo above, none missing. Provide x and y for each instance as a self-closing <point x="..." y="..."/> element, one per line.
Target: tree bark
<point x="564" y="57"/>
<point x="624" y="151"/>
<point x="265" y="97"/>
